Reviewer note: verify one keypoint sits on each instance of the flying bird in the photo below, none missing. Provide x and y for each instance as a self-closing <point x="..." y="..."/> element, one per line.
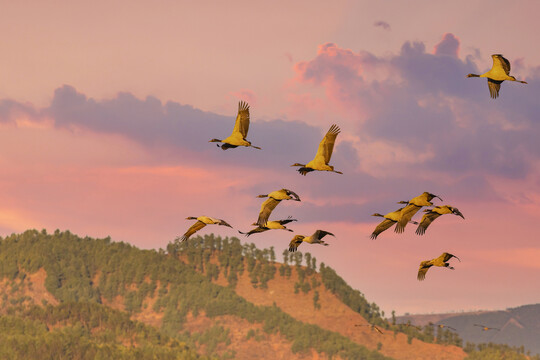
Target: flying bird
<point x="445" y="326"/>
<point x="413" y="206"/>
<point x="389" y="220"/>
<point x="202" y="221"/>
<point x="486" y="328"/>
<point x="440" y="261"/>
<point x="499" y="72"/>
<point x="432" y="214"/>
<point x="270" y="225"/>
<point x="313" y="239"/>
<point x="408" y="324"/>
<point x="373" y="327"/>
<point x="241" y="127"/>
<point x="274" y="198"/>
<point x="324" y="153"/>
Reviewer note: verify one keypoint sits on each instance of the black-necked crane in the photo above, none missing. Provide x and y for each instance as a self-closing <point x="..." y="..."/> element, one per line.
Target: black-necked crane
<point x="324" y="153"/>
<point x="313" y="239"/>
<point x="240" y="130"/>
<point x="270" y="225"/>
<point x="373" y="327"/>
<point x="432" y="214"/>
<point x="441" y="261"/>
<point x="486" y="328"/>
<point x="202" y="221"/>
<point x="500" y="71"/>
<point x="441" y="326"/>
<point x="389" y="220"/>
<point x="413" y="206"/>
<point x="274" y="198"/>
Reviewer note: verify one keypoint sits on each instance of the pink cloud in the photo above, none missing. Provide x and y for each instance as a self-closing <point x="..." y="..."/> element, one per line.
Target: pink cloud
<point x="246" y="95"/>
<point x="449" y="46"/>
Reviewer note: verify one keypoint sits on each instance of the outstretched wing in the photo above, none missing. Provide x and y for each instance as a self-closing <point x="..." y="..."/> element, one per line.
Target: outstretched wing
<point x="427" y="219"/>
<point x="242" y="119"/>
<point x="447" y="256"/>
<point x="222" y="222"/>
<point x="286" y="221"/>
<point x="494" y="87"/>
<point x="319" y="234"/>
<point x="384" y="225"/>
<point x="422" y="271"/>
<point x="406" y="215"/>
<point x="294" y="244"/>
<point x="376" y="329"/>
<point x="266" y="209"/>
<point x="326" y="145"/>
<point x="293" y="194"/>
<point x="192" y="230"/>
<point x="499" y="60"/>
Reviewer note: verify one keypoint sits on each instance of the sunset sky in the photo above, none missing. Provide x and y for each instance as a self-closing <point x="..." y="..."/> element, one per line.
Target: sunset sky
<point x="106" y="109"/>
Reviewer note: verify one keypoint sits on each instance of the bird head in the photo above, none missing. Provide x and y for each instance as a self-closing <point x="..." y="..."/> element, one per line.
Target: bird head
<point x="472" y="75"/>
<point x="191" y="218"/>
<point x="262" y="196"/>
<point x="377" y="214"/>
<point x="215" y="140"/>
<point x="298" y="164"/>
<point x="403" y="202"/>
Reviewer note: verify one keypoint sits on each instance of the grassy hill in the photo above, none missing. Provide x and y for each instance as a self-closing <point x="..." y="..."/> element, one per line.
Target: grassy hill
<point x="65" y="297"/>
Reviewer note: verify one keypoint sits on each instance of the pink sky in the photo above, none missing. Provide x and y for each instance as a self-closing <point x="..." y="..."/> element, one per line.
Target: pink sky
<point x="106" y="111"/>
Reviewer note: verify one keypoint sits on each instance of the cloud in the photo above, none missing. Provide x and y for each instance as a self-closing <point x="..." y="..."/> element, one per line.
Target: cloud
<point x="382" y="24"/>
<point x="448" y="46"/>
<point x="422" y="103"/>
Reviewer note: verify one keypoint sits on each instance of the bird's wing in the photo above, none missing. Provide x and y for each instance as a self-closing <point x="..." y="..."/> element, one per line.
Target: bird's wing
<point x="427" y="219"/>
<point x="384" y="225"/>
<point x="447" y="256"/>
<point x="223" y="222"/>
<point x="494" y="87"/>
<point x="422" y="272"/>
<point x="499" y="60"/>
<point x="376" y="329"/>
<point x="192" y="230"/>
<point x="406" y="215"/>
<point x="293" y="245"/>
<point x="266" y="209"/>
<point x="258" y="229"/>
<point x="326" y="145"/>
<point x="286" y="221"/>
<point x="319" y="234"/>
<point x="293" y="194"/>
<point x="242" y="119"/>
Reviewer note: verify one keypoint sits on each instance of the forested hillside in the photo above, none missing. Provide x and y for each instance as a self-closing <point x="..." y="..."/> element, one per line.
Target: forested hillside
<point x="64" y="297"/>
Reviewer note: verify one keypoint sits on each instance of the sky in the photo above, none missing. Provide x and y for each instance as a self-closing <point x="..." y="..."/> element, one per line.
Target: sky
<point x="106" y="109"/>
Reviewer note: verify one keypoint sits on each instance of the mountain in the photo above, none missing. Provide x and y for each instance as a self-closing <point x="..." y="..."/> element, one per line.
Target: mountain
<point x="66" y="297"/>
<point x="519" y="327"/>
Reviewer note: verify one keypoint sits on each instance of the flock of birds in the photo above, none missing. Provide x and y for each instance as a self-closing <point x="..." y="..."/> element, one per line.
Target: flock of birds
<point x="499" y="72"/>
<point x="441" y="326"/>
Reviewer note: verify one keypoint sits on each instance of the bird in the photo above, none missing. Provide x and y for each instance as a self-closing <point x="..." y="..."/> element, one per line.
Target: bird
<point x="440" y="261"/>
<point x="313" y="239"/>
<point x="486" y="328"/>
<point x="373" y="327"/>
<point x="389" y="220"/>
<point x="445" y="326"/>
<point x="270" y="225"/>
<point x="408" y="324"/>
<point x="432" y="214"/>
<point x="239" y="133"/>
<point x="202" y="221"/>
<point x="412" y="208"/>
<point x="499" y="72"/>
<point x="274" y="198"/>
<point x="324" y="152"/>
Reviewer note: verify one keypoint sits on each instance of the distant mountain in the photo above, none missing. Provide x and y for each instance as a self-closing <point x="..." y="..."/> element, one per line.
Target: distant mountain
<point x="518" y="326"/>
